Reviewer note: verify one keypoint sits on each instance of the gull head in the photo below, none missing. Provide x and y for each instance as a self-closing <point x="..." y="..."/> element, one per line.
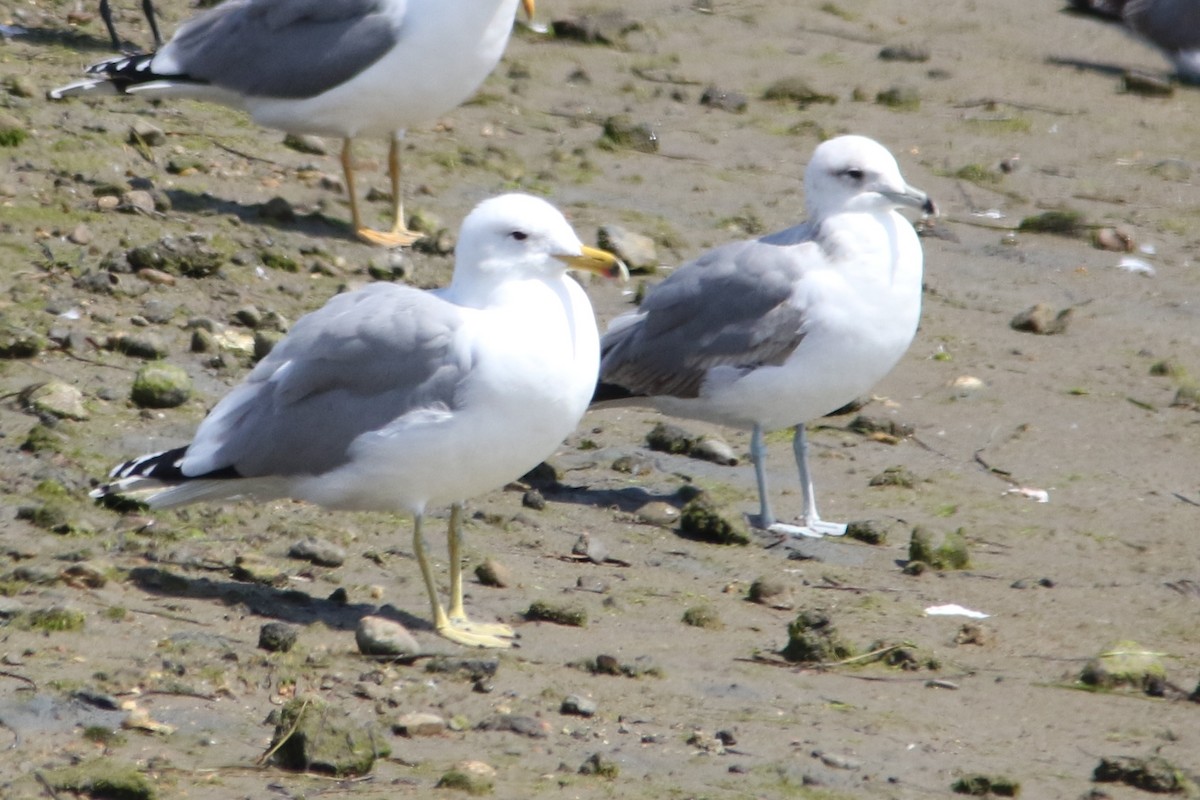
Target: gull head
<point x="857" y="174"/>
<point x="518" y="236"/>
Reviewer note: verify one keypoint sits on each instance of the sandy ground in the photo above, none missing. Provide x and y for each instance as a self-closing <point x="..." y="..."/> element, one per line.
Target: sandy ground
<point x="1110" y="557"/>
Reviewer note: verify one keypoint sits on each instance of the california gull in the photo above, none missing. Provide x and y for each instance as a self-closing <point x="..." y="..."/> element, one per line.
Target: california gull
<point x="351" y="68"/>
<point x="773" y="332"/>
<point x="394" y="399"/>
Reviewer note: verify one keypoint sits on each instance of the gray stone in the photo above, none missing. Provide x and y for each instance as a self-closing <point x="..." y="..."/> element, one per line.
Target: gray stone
<point x="146" y="133"/>
<point x="580" y="706"/>
<point x="277" y="637"/>
<point x="419" y="724"/>
<point x="56" y="399"/>
<point x="319" y="552"/>
<point x="637" y="250"/>
<point x="377" y="636"/>
<point x="314" y="736"/>
<point x="160" y="385"/>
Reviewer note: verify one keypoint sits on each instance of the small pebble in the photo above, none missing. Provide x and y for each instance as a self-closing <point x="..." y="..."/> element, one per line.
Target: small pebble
<point x="591" y="548"/>
<point x="656" y="512"/>
<point x="493" y="573"/>
<point x="419" y="724"/>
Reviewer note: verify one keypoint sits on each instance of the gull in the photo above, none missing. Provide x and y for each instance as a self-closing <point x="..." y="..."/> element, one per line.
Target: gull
<point x="1173" y="26"/>
<point x="772" y="332"/>
<point x="345" y="68"/>
<point x="395" y="399"/>
<point x="147" y="9"/>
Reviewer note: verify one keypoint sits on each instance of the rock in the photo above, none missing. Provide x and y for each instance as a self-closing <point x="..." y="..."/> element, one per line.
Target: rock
<point x="638" y="251"/>
<point x="160" y="385"/>
<point x="798" y="91"/>
<point x="146" y="345"/>
<point x="622" y="133"/>
<point x="1126" y="664"/>
<point x="254" y="568"/>
<point x="533" y="499"/>
<point x="656" y="512"/>
<point x="277" y="637"/>
<point x="319" y="552"/>
<point x="600" y="766"/>
<point x="668" y="438"/>
<point x="55" y="399"/>
<point x="900" y="98"/>
<point x="147" y="133"/>
<point x="894" y="476"/>
<point x="1041" y="319"/>
<point x="603" y="27"/>
<point x="100" y="777"/>
<point x="722" y="100"/>
<point x="1153" y="774"/>
<point x="312" y="735"/>
<point x="633" y="465"/>
<point x="701" y="519"/>
<point x="561" y="614"/>
<point x="277" y="209"/>
<point x="20" y="86"/>
<point x="419" y="724"/>
<point x="714" y="449"/>
<point x="532" y="727"/>
<point x="952" y="553"/>
<point x="1147" y="85"/>
<point x="12" y="130"/>
<point x="377" y="636"/>
<point x="702" y="617"/>
<point x="17" y="341"/>
<point x="493" y="573"/>
<point x="472" y="777"/>
<point x="306" y="143"/>
<point x="1119" y="240"/>
<point x="81" y="235"/>
<point x="264" y="343"/>
<point x="185" y="257"/>
<point x="590" y="548"/>
<point x="137" y="201"/>
<point x="770" y="592"/>
<point x="577" y="705"/>
<point x="813" y="639"/>
<point x="906" y="53"/>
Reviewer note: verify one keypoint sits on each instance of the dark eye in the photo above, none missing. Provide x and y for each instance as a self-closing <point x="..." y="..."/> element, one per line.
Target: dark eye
<point x="520" y="236"/>
<point x="853" y="173"/>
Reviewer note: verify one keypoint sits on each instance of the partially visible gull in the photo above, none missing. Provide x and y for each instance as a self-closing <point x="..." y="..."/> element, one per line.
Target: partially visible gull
<point x="346" y="68"/>
<point x="147" y="9"/>
<point x="395" y="399"/>
<point x="1173" y="26"/>
<point x="773" y="332"/>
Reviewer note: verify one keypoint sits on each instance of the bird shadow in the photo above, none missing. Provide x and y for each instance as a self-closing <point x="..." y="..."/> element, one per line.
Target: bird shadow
<point x="286" y="605"/>
<point x="74" y="40"/>
<point x="269" y="214"/>
<point x="1100" y="68"/>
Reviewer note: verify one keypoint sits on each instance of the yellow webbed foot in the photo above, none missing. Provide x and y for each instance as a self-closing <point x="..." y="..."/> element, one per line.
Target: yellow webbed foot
<point x="470" y="634"/>
<point x="401" y="237"/>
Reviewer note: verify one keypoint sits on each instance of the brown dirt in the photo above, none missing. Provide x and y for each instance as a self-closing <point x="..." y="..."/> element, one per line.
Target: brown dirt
<point x="1077" y="414"/>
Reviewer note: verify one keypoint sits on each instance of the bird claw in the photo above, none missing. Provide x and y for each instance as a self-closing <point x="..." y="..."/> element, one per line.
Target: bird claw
<point x="461" y="630"/>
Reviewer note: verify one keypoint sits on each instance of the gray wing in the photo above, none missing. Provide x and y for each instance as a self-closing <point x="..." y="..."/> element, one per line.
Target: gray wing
<point x="355" y="365"/>
<point x="1173" y="25"/>
<point x="282" y="48"/>
<point x="728" y="308"/>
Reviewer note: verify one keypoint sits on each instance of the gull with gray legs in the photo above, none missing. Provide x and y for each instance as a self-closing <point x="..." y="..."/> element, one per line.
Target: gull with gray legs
<point x="773" y="332"/>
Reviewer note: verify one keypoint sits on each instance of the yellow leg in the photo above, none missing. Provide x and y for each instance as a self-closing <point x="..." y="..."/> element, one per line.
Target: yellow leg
<point x="399" y="236"/>
<point x="441" y="623"/>
<point x="458" y="615"/>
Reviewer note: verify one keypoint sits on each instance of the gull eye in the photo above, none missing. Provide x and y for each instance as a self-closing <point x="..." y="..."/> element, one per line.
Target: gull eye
<point x="520" y="236"/>
<point x="853" y="173"/>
